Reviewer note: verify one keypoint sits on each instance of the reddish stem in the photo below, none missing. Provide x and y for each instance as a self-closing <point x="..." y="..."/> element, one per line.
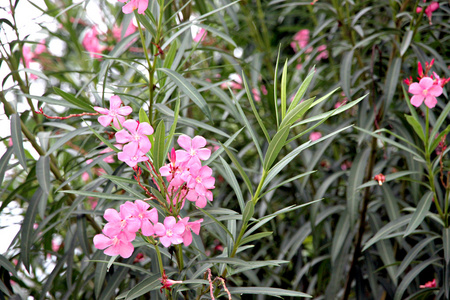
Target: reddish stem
<point x="41" y="112"/>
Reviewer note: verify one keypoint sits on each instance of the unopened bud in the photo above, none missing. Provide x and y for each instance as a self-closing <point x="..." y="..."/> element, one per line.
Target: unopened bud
<point x="380" y="178"/>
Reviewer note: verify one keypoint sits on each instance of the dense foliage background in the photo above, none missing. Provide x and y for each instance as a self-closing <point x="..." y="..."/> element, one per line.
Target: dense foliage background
<point x="233" y="84"/>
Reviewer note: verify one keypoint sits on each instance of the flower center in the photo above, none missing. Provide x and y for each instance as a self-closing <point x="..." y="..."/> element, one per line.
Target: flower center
<point x="425" y="92"/>
<point x="198" y="179"/>
<point x="193" y="152"/>
<point x="169" y="232"/>
<point x="137" y="137"/>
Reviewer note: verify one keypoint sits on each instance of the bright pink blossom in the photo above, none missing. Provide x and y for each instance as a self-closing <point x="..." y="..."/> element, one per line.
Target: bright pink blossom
<point x="171" y="232"/>
<point x="199" y="181"/>
<point x="119" y="244"/>
<point x="139" y="210"/>
<point x="194" y="226"/>
<point x="430" y="9"/>
<point x="315" y="135"/>
<point x="429" y="284"/>
<point x="200" y="36"/>
<point x="131" y="155"/>
<point x="92" y="44"/>
<point x="425" y="90"/>
<point x="136" y="134"/>
<point x="124" y="220"/>
<point x="116" y="114"/>
<point x="140" y="5"/>
<point x="194" y="150"/>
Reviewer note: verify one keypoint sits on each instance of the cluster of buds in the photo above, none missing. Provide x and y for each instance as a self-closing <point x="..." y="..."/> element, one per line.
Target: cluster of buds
<point x="428" y="88"/>
<point x="434" y="5"/>
<point x="380" y="178"/>
<point x="442" y="146"/>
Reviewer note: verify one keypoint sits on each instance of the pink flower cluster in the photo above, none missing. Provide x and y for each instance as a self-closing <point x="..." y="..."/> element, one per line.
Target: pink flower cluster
<point x="133" y="135"/>
<point x="428" y="87"/>
<point x="29" y="55"/>
<point x="434" y="5"/>
<point x="187" y="178"/>
<point x="301" y="40"/>
<point x="136" y="217"/>
<point x="91" y="43"/>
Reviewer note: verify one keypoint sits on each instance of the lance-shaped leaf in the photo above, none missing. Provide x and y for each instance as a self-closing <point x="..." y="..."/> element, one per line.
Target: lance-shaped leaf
<point x="43" y="173"/>
<point x="16" y="136"/>
<point x="421" y="211"/>
<point x="275" y="147"/>
<point x="189" y="90"/>
<point x="4" y="163"/>
<point x="74" y="100"/>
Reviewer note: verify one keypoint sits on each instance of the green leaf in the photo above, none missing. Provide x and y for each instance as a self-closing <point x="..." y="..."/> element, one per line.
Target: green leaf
<point x="217" y="222"/>
<point x="406" y="261"/>
<point x="267" y="291"/>
<point x="239" y="168"/>
<point x="148" y="284"/>
<point x="8" y="266"/>
<point x="143" y="116"/>
<point x="16" y="136"/>
<point x="437" y="140"/>
<point x="416" y="126"/>
<point x="355" y="179"/>
<point x="392" y="80"/>
<point x="412" y="275"/>
<point x="64" y="139"/>
<point x="387" y="229"/>
<point x="255" y="112"/>
<point x="189" y="90"/>
<point x="75" y="101"/>
<point x="256" y="236"/>
<point x="302" y="90"/>
<point x="27" y="232"/>
<point x="296" y="113"/>
<point x="115" y="280"/>
<point x="233" y="183"/>
<point x="437" y="125"/>
<point x="446" y="243"/>
<point x="340" y="235"/>
<point x="173" y="127"/>
<point x="55" y="272"/>
<point x="389" y="177"/>
<point x="4" y="163"/>
<point x="406" y="42"/>
<point x="421" y="211"/>
<point x="99" y="195"/>
<point x="283" y="91"/>
<point x="275" y="147"/>
<point x="158" y="145"/>
<point x="248" y="212"/>
<point x="221" y="149"/>
<point x="275" y="88"/>
<point x="346" y="73"/>
<point x="43" y="173"/>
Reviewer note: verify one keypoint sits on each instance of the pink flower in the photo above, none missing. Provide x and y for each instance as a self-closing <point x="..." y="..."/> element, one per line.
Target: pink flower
<point x="234" y="84"/>
<point x="170" y="232"/>
<point x="119" y="244"/>
<point x="131" y="155"/>
<point x="256" y="95"/>
<point x="117" y="31"/>
<point x="166" y="282"/>
<point x="194" y="226"/>
<point x="315" y="135"/>
<point x="121" y="221"/>
<point x="301" y="39"/>
<point x="140" y="5"/>
<point x="29" y="55"/>
<point x="425" y="90"/>
<point x="136" y="134"/>
<point x="199" y="181"/>
<point x="116" y="114"/>
<point x="430" y="9"/>
<point x="429" y="284"/>
<point x="323" y="53"/>
<point x="92" y="44"/>
<point x="201" y="35"/>
<point x="194" y="150"/>
<point x="147" y="218"/>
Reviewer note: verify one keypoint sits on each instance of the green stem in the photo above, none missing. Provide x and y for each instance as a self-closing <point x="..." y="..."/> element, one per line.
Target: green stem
<point x="180" y="259"/>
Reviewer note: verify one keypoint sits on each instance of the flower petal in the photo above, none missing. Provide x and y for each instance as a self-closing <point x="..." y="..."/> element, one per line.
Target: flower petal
<point x="417" y="100"/>
<point x="185" y="142"/>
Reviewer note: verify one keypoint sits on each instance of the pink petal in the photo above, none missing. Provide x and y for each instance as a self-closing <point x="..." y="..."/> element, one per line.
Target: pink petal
<point x="417" y="100"/>
<point x="125" y="110"/>
<point x="128" y="8"/>
<point x="118" y="121"/>
<point x="430" y="101"/>
<point x="142" y="6"/>
<point x="105" y="120"/>
<point x="160" y="229"/>
<point x="179" y="228"/>
<point x="176" y="239"/>
<point x="169" y="222"/>
<point x="111" y="215"/>
<point x="152" y="215"/>
<point x="415" y="89"/>
<point x="208" y="182"/>
<point x="205" y="172"/>
<point x="145" y="128"/>
<point x="166" y="241"/>
<point x="147" y="228"/>
<point x="144" y="144"/>
<point x="114" y="102"/>
<point x="123" y="136"/>
<point x="101" y="241"/>
<point x="426" y="82"/>
<point x="187" y="238"/>
<point x="131" y="125"/>
<point x="201" y="202"/>
<point x="204" y="153"/>
<point x="141" y="205"/>
<point x="112" y="251"/>
<point x="182" y="156"/>
<point x="435" y="90"/>
<point x="101" y="110"/>
<point x="198" y="142"/>
<point x="126" y="249"/>
<point x="185" y="142"/>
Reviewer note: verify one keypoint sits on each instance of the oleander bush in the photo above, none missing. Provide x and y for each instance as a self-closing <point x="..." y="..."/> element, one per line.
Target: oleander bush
<point x="200" y="149"/>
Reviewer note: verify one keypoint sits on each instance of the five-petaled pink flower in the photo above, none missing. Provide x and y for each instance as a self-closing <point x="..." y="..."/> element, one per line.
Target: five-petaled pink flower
<point x="171" y="232"/>
<point x="131" y="155"/>
<point x="115" y="113"/>
<point x="140" y="5"/>
<point x="139" y="210"/>
<point x="194" y="226"/>
<point x="136" y="134"/>
<point x="119" y="244"/>
<point x="120" y="221"/>
<point x="425" y="90"/>
<point x="194" y="150"/>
